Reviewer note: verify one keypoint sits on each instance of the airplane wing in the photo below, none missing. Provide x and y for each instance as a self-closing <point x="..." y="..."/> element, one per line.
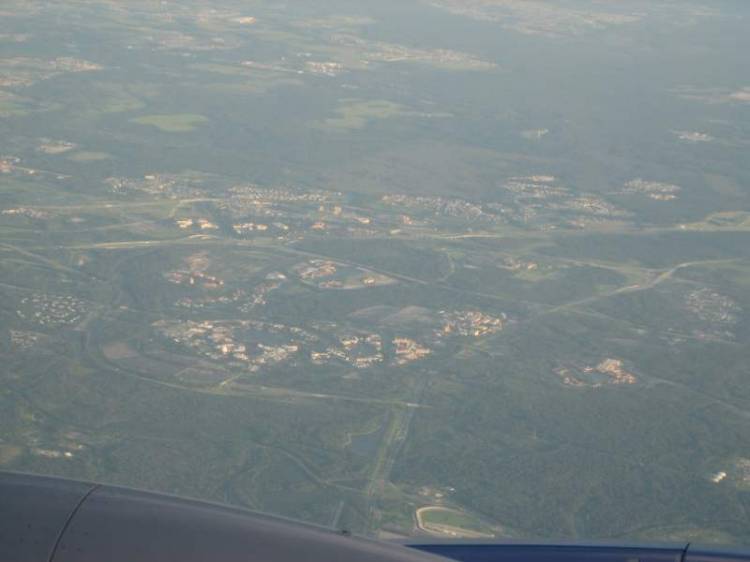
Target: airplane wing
<point x="46" y="519"/>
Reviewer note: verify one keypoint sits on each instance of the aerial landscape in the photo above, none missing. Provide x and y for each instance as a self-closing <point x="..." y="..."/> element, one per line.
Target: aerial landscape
<point x="447" y="268"/>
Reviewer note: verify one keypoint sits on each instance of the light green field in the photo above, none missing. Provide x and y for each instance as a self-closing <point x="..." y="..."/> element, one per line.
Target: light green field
<point x="727" y="220"/>
<point x="172" y="123"/>
<point x="86" y="156"/>
<point x="446" y="517"/>
<point x="121" y="104"/>
<point x="355" y="114"/>
<point x="225" y="69"/>
<point x="114" y="97"/>
<point x="444" y="521"/>
<point x="9" y="108"/>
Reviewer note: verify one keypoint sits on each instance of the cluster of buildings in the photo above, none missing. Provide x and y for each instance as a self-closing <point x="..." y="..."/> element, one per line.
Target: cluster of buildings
<point x="278" y="211"/>
<point x="743" y="470"/>
<point x="324" y="68"/>
<point x="607" y="372"/>
<point x="693" y="136"/>
<point x="653" y="189"/>
<point x="195" y="303"/>
<point x="347" y="277"/>
<point x="719" y="313"/>
<point x="315" y="269"/>
<point x="379" y="51"/>
<point x="245" y="342"/>
<point x="282" y="194"/>
<point x="740" y="474"/>
<point x="534" y="134"/>
<point x="360" y="351"/>
<point x="169" y="185"/>
<point x="338" y="212"/>
<point x="408" y="350"/>
<point x="534" y="195"/>
<point x="195" y="274"/>
<point x="471" y="323"/>
<point x="213" y="16"/>
<point x="178" y="40"/>
<point x="515" y="264"/>
<point x="70" y="64"/>
<point x="197" y="277"/>
<point x="535" y="187"/>
<point x="203" y="224"/>
<point x="194" y="279"/>
<point x="538" y="199"/>
<point x="246" y="227"/>
<point x="52" y="453"/>
<point x="615" y="369"/>
<point x="272" y="282"/>
<point x="24" y="71"/>
<point x="712" y="307"/>
<point x="248" y="341"/>
<point x="287" y="213"/>
<point x="49" y="146"/>
<point x="589" y="205"/>
<point x="22" y="340"/>
<point x="27" y="212"/>
<point x="365" y="350"/>
<point x="367" y="52"/>
<point x="8" y="164"/>
<point x="439" y="206"/>
<point x="12" y="165"/>
<point x="52" y="310"/>
<point x="365" y="281"/>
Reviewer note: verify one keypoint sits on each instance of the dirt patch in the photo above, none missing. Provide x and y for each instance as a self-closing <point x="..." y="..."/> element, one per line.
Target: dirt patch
<point x="118" y="350"/>
<point x="9" y="453"/>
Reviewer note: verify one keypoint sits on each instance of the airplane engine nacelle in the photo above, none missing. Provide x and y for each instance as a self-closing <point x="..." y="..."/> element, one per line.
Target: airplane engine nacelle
<point x="46" y="519"/>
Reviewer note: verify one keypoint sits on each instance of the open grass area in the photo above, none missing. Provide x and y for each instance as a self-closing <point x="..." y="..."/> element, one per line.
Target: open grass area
<point x="172" y="123"/>
<point x="11" y="109"/>
<point x="728" y="220"/>
<point x="442" y="521"/>
<point x="356" y="114"/>
<point x="86" y="156"/>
